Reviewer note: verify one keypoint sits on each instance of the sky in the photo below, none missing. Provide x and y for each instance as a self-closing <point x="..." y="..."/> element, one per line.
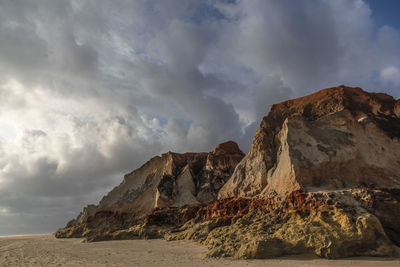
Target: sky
<point x="92" y="89"/>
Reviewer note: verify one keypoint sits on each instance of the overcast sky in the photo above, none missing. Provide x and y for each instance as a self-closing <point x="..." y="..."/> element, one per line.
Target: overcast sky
<point x="91" y="90"/>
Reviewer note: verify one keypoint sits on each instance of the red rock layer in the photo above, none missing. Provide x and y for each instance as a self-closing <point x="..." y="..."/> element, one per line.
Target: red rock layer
<point x="235" y="208"/>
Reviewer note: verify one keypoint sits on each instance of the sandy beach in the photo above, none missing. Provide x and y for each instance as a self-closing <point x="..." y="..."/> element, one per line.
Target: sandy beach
<point x="45" y="250"/>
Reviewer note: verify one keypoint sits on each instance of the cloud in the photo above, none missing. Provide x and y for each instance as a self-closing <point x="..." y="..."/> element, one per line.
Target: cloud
<point x="91" y="90"/>
<point x="391" y="75"/>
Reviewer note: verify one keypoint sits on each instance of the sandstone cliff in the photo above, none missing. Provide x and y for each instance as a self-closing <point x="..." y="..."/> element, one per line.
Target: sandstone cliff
<point x="337" y="138"/>
<point x="171" y="179"/>
<point x="322" y="176"/>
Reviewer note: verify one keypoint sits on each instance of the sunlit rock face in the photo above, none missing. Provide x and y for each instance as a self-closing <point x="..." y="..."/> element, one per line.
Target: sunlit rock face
<point x="322" y="177"/>
<point x="171" y="179"/>
<point x="337" y="138"/>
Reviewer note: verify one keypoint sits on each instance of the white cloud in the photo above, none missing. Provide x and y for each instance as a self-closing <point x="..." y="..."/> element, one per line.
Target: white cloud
<point x="391" y="75"/>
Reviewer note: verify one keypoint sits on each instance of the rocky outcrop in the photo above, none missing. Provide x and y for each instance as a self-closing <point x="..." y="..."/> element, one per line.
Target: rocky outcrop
<point x="171" y="179"/>
<point x="329" y="225"/>
<point x="176" y="179"/>
<point x="322" y="177"/>
<point x="343" y="223"/>
<point x="87" y="211"/>
<point x="334" y="139"/>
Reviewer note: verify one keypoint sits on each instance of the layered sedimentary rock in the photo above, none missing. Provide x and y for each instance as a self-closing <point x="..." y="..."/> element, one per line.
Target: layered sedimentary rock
<point x="322" y="176"/>
<point x="334" y="139"/>
<point x="327" y="224"/>
<point x="171" y="179"/>
<point x="176" y="179"/>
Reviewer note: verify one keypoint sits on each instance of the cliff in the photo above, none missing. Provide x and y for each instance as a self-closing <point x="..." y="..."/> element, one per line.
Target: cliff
<point x="337" y="138"/>
<point x="169" y="180"/>
<point x="322" y="176"/>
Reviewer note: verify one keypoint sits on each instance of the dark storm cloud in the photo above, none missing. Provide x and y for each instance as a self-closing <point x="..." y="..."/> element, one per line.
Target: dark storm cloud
<point x="92" y="89"/>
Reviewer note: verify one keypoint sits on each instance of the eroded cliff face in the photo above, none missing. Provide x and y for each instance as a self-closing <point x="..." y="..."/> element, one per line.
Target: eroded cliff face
<point x="334" y="139"/>
<point x="171" y="179"/>
<point x="322" y="177"/>
<point x="336" y="224"/>
<point x="343" y="223"/>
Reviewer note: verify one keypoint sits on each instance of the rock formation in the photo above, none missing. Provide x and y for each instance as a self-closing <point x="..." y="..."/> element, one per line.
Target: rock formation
<point x="322" y="176"/>
<point x="172" y="180"/>
<point x="334" y="139"/>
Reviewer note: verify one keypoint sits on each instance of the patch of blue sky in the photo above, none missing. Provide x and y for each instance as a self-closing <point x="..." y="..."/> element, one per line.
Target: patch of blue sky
<point x="230" y="73"/>
<point x="385" y="12"/>
<point x="207" y="11"/>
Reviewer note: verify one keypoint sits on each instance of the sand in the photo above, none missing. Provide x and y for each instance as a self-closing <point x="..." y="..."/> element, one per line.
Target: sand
<point x="45" y="250"/>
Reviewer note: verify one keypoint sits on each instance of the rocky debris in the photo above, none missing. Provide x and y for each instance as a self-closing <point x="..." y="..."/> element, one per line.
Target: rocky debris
<point x="322" y="177"/>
